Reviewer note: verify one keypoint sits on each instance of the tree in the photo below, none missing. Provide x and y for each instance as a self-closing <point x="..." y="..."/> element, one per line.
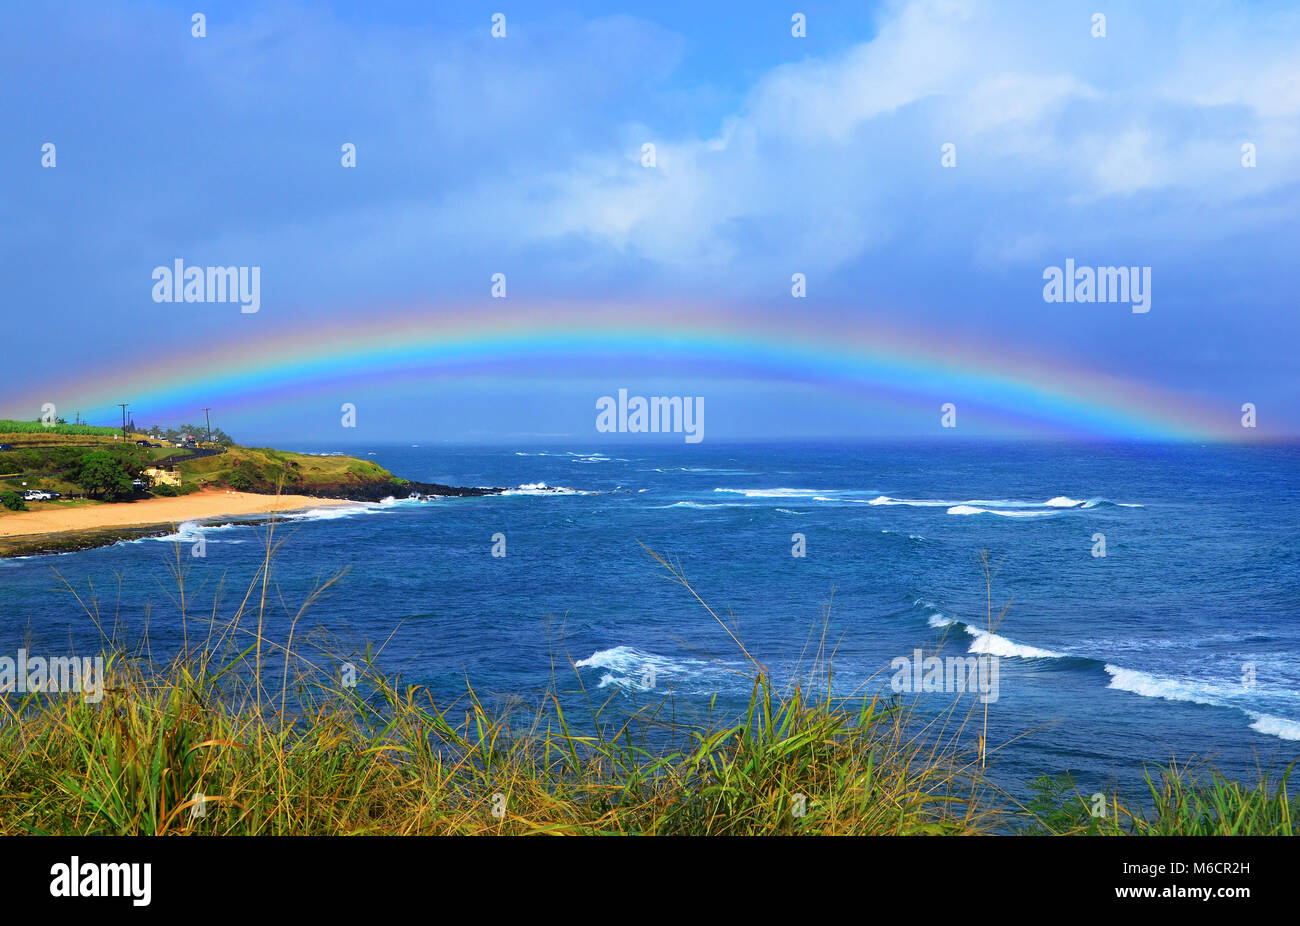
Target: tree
<point x="102" y="474"/>
<point x="199" y="431"/>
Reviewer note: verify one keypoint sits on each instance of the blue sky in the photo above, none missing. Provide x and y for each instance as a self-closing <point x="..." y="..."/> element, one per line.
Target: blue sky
<point x="775" y="154"/>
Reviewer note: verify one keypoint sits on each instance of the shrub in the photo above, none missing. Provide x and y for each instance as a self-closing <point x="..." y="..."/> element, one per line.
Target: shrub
<point x="240" y="481"/>
<point x="13" y="501"/>
<point x="168" y="491"/>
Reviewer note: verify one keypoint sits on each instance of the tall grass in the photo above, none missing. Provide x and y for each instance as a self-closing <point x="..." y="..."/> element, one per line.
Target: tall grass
<point x="242" y="734"/>
<point x="1180" y="801"/>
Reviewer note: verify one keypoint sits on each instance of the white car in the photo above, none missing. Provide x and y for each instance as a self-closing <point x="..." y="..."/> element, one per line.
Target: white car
<point x="37" y="495"/>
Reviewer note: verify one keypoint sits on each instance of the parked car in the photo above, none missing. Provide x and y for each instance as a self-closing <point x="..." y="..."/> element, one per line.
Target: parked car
<point x="38" y="495"/>
<point x="4" y="447"/>
<point x="143" y="443"/>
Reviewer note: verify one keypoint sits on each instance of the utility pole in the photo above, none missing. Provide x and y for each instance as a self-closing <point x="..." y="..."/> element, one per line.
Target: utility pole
<point x="208" y="419"/>
<point x="124" y="405"/>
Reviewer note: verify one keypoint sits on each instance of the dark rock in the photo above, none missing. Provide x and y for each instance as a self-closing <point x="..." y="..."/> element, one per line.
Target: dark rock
<point x="378" y="491"/>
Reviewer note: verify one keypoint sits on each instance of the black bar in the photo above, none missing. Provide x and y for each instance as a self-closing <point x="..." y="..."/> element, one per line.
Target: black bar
<point x="337" y="875"/>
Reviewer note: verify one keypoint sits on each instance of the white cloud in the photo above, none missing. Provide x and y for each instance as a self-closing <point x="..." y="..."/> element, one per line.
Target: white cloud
<point x="1061" y="139"/>
<point x="830" y="157"/>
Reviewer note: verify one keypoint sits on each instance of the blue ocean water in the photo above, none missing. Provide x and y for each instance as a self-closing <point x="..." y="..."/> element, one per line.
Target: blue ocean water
<point x="1183" y="640"/>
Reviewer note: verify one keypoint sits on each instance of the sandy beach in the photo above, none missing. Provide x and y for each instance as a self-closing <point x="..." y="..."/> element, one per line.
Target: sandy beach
<point x="154" y="512"/>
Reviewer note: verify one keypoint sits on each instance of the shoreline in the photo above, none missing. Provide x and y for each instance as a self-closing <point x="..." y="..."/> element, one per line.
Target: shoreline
<point x="62" y="530"/>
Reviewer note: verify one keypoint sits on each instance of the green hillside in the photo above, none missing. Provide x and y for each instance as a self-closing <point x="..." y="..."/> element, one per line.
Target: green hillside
<point x="58" y="459"/>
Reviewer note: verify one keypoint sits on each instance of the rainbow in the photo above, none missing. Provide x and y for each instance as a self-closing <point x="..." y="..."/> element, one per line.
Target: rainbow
<point x="909" y="367"/>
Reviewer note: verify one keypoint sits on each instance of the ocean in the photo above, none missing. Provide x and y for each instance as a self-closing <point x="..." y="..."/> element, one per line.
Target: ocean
<point x="1183" y="640"/>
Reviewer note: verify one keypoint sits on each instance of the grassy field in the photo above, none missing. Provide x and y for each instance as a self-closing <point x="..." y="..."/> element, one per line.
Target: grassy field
<point x="12" y="428"/>
<point x="265" y="468"/>
<point x="267" y="737"/>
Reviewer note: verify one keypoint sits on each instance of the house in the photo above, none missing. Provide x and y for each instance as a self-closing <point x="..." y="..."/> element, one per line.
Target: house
<point x="164" y="475"/>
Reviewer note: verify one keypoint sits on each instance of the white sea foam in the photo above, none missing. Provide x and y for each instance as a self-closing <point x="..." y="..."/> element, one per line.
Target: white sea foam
<point x="1170" y="689"/>
<point x="541" y="488"/>
<point x="985" y="643"/>
<point x="834" y="496"/>
<point x="1226" y="694"/>
<point x="621" y="658"/>
<point x="887" y="500"/>
<point x="994" y="645"/>
<point x="328" y="514"/>
<point x="1097" y="502"/>
<point x="632" y="669"/>
<point x="352" y="510"/>
<point x="187" y="531"/>
<point x="1001" y="506"/>
<point x="777" y="493"/>
<point x="1013" y="513"/>
<point x="698" y="505"/>
<point x="910" y="502"/>
<point x="589" y="457"/>
<point x="1276" y="726"/>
